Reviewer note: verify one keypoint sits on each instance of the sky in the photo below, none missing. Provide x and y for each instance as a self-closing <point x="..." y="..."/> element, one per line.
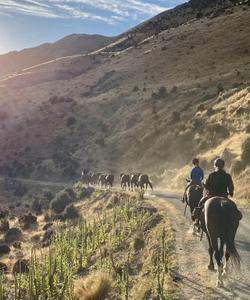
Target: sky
<point x="28" y="23"/>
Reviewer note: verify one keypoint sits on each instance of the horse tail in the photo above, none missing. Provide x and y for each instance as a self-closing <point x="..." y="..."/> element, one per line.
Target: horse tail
<point x="230" y="232"/>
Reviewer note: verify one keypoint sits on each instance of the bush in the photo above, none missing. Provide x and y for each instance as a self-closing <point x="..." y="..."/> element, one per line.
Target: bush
<point x="81" y="191"/>
<point x="12" y="235"/>
<point x="248" y="128"/>
<point x="48" y="195"/>
<point x="245" y="156"/>
<point x="71" y="121"/>
<point x="197" y="123"/>
<point x="37" y="206"/>
<point x="138" y="242"/>
<point x="210" y="112"/>
<point x="201" y="107"/>
<point x="94" y="286"/>
<point x="26" y="221"/>
<point x="20" y="190"/>
<point x="162" y="92"/>
<point x="61" y="200"/>
<point x="220" y="88"/>
<point x="70" y="212"/>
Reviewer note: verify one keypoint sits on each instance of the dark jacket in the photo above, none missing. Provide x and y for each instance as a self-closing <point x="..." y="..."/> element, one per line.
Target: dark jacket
<point x="220" y="183"/>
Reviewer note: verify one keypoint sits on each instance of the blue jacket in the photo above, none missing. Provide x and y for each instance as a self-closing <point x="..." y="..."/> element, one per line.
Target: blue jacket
<point x="197" y="175"/>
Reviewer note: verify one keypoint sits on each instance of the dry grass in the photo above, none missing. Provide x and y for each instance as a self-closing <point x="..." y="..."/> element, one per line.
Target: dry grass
<point x="96" y="286"/>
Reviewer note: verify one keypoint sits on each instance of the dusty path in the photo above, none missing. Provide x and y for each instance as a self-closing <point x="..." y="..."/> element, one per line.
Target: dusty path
<point x="192" y="256"/>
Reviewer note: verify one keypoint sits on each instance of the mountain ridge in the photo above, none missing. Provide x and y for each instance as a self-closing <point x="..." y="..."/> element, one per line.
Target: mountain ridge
<point x="73" y="44"/>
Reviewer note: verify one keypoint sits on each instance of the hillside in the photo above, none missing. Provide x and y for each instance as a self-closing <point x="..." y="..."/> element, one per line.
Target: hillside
<point x="149" y="101"/>
<point x="106" y="236"/>
<point x="71" y="45"/>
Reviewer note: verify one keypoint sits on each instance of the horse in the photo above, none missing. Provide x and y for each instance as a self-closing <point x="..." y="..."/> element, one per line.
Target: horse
<point x="144" y="181"/>
<point x="109" y="180"/>
<point x="220" y="222"/>
<point x="192" y="197"/>
<point x="94" y="178"/>
<point x="86" y="178"/>
<point x="102" y="180"/>
<point x="134" y="181"/>
<point x="125" y="181"/>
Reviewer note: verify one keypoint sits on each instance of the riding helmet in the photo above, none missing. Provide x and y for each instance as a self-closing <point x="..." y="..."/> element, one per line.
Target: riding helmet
<point x="195" y="161"/>
<point x="219" y="163"/>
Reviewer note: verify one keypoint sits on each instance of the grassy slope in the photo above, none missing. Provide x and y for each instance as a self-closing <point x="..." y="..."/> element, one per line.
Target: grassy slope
<point x="119" y="235"/>
<point x="119" y="123"/>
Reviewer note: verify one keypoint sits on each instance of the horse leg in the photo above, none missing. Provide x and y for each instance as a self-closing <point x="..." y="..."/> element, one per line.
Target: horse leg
<point x="225" y="270"/>
<point x="211" y="252"/>
<point x="218" y="257"/>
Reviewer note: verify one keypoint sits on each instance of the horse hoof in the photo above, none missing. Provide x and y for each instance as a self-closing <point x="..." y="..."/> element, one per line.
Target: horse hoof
<point x="219" y="284"/>
<point x="210" y="267"/>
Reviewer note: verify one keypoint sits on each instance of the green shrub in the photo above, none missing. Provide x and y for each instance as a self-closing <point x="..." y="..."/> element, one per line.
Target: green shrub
<point x="210" y="112"/>
<point x="71" y="121"/>
<point x="138" y="242"/>
<point x="61" y="200"/>
<point x="70" y="212"/>
<point x="220" y="88"/>
<point x="81" y="191"/>
<point x="48" y="195"/>
<point x="162" y="92"/>
<point x="37" y="206"/>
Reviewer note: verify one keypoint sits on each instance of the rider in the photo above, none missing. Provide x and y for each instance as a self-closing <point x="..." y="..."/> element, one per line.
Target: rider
<point x="196" y="176"/>
<point x="219" y="183"/>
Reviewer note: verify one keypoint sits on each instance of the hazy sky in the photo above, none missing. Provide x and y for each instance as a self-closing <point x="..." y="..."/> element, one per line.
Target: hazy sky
<point x="27" y="23"/>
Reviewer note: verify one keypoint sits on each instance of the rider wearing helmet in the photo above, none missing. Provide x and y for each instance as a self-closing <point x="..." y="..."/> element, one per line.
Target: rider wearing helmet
<point x="219" y="183"/>
<point x="196" y="176"/>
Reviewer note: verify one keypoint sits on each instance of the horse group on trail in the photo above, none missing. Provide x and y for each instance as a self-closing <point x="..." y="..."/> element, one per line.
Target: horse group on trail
<point x="214" y="214"/>
<point x="130" y="182"/>
<point x="98" y="179"/>
<point x="135" y="181"/>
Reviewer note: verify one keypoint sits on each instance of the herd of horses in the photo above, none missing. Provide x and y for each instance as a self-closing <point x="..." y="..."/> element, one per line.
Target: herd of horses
<point x="130" y="182"/>
<point x="219" y="220"/>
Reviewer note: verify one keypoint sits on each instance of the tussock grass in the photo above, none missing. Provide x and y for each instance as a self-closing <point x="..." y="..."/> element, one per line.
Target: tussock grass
<point x="93" y="287"/>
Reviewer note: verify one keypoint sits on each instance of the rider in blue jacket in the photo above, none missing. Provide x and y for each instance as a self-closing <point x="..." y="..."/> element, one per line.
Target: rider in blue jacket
<point x="196" y="176"/>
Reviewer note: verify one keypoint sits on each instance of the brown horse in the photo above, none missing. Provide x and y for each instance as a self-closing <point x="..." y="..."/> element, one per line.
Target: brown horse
<point x="193" y="196"/>
<point x="144" y="182"/>
<point x="125" y="181"/>
<point x="102" y="180"/>
<point x="109" y="180"/>
<point x="220" y="222"/>
<point x="134" y="181"/>
<point x="86" y="178"/>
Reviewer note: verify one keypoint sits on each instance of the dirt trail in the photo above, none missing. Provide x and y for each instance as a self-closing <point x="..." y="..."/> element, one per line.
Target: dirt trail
<point x="192" y="256"/>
